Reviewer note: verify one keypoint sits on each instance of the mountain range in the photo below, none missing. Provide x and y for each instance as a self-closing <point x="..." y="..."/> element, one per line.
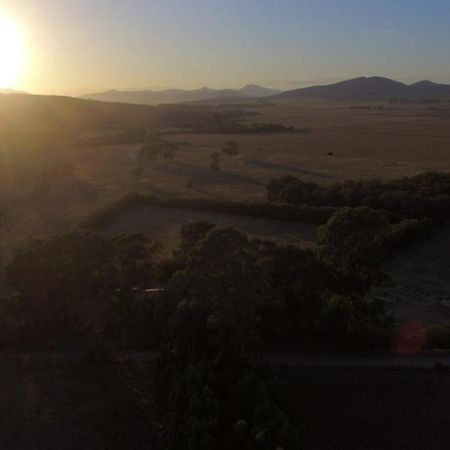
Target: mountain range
<point x="370" y="89"/>
<point x="150" y="97"/>
<point x="357" y="89"/>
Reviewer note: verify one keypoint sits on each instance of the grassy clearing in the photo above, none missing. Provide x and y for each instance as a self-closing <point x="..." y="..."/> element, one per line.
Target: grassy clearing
<point x="164" y="224"/>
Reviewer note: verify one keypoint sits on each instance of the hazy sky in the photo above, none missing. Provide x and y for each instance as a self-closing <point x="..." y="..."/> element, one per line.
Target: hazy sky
<point x="78" y="45"/>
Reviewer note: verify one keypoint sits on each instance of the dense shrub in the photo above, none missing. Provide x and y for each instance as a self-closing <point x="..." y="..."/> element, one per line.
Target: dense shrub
<point x="79" y="285"/>
<point x="234" y="127"/>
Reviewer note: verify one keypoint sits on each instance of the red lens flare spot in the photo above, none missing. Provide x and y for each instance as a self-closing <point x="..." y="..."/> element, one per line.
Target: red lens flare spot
<point x="411" y="339"/>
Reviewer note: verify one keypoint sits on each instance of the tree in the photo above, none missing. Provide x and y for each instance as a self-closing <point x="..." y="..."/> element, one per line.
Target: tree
<point x="231" y="148"/>
<point x="155" y="149"/>
<point x="353" y="238"/>
<point x="131" y="318"/>
<point x="79" y="284"/>
<point x="215" y="161"/>
<point x="216" y="395"/>
<point x="352" y="242"/>
<point x="65" y="286"/>
<point x="191" y="234"/>
<point x="222" y="284"/>
<point x="299" y="288"/>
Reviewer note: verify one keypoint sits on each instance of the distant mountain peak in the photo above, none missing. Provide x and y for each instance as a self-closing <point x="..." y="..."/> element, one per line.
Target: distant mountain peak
<point x="424" y="83"/>
<point x="179" y="95"/>
<point x="255" y="90"/>
<point x="373" y="88"/>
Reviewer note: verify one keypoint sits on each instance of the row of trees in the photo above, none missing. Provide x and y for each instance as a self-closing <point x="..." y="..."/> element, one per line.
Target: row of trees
<point x="425" y="195"/>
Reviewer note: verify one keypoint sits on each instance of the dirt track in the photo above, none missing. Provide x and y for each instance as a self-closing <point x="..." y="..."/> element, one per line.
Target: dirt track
<point x="290" y="360"/>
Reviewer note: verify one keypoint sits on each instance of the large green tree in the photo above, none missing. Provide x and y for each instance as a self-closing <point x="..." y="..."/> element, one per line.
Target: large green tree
<point x="352" y="240"/>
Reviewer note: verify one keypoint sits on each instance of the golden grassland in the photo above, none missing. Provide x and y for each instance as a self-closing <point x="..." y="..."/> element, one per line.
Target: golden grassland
<point x="342" y="143"/>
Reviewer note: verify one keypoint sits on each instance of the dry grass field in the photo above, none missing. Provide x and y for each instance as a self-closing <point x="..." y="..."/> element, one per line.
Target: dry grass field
<point x="164" y="224"/>
<point x="342" y="143"/>
<point x="387" y="144"/>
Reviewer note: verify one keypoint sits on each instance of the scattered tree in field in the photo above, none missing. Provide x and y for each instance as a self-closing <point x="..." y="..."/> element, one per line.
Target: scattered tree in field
<point x="231" y="148"/>
<point x="155" y="149"/>
<point x="215" y="161"/>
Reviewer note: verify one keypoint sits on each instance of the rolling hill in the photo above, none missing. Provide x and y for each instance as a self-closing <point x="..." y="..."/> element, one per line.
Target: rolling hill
<point x="369" y="89"/>
<point x="48" y="113"/>
<point x="150" y="97"/>
<point x="51" y="113"/>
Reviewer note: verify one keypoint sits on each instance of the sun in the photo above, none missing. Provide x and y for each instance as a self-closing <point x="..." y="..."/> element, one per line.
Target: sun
<point x="12" y="54"/>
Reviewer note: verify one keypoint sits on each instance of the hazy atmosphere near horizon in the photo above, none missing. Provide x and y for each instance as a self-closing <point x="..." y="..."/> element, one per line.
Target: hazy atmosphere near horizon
<point x="76" y="46"/>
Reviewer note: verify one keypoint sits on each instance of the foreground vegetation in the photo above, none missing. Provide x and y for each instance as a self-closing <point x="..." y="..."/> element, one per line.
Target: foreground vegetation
<point x="71" y="403"/>
<point x="212" y="309"/>
<point x="218" y="303"/>
<point x="225" y="300"/>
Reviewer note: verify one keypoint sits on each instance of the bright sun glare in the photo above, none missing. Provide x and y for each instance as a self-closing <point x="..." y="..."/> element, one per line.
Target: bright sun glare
<point x="11" y="53"/>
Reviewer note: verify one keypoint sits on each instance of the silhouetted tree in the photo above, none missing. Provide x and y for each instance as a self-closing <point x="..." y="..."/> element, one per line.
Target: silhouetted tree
<point x="231" y="148"/>
<point x="153" y="150"/>
<point x="215" y="161"/>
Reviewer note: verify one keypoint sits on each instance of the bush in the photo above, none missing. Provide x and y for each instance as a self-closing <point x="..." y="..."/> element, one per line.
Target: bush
<point x="406" y="232"/>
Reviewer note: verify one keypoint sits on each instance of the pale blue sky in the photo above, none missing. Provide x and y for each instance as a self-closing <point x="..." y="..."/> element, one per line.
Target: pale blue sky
<point x="99" y="44"/>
